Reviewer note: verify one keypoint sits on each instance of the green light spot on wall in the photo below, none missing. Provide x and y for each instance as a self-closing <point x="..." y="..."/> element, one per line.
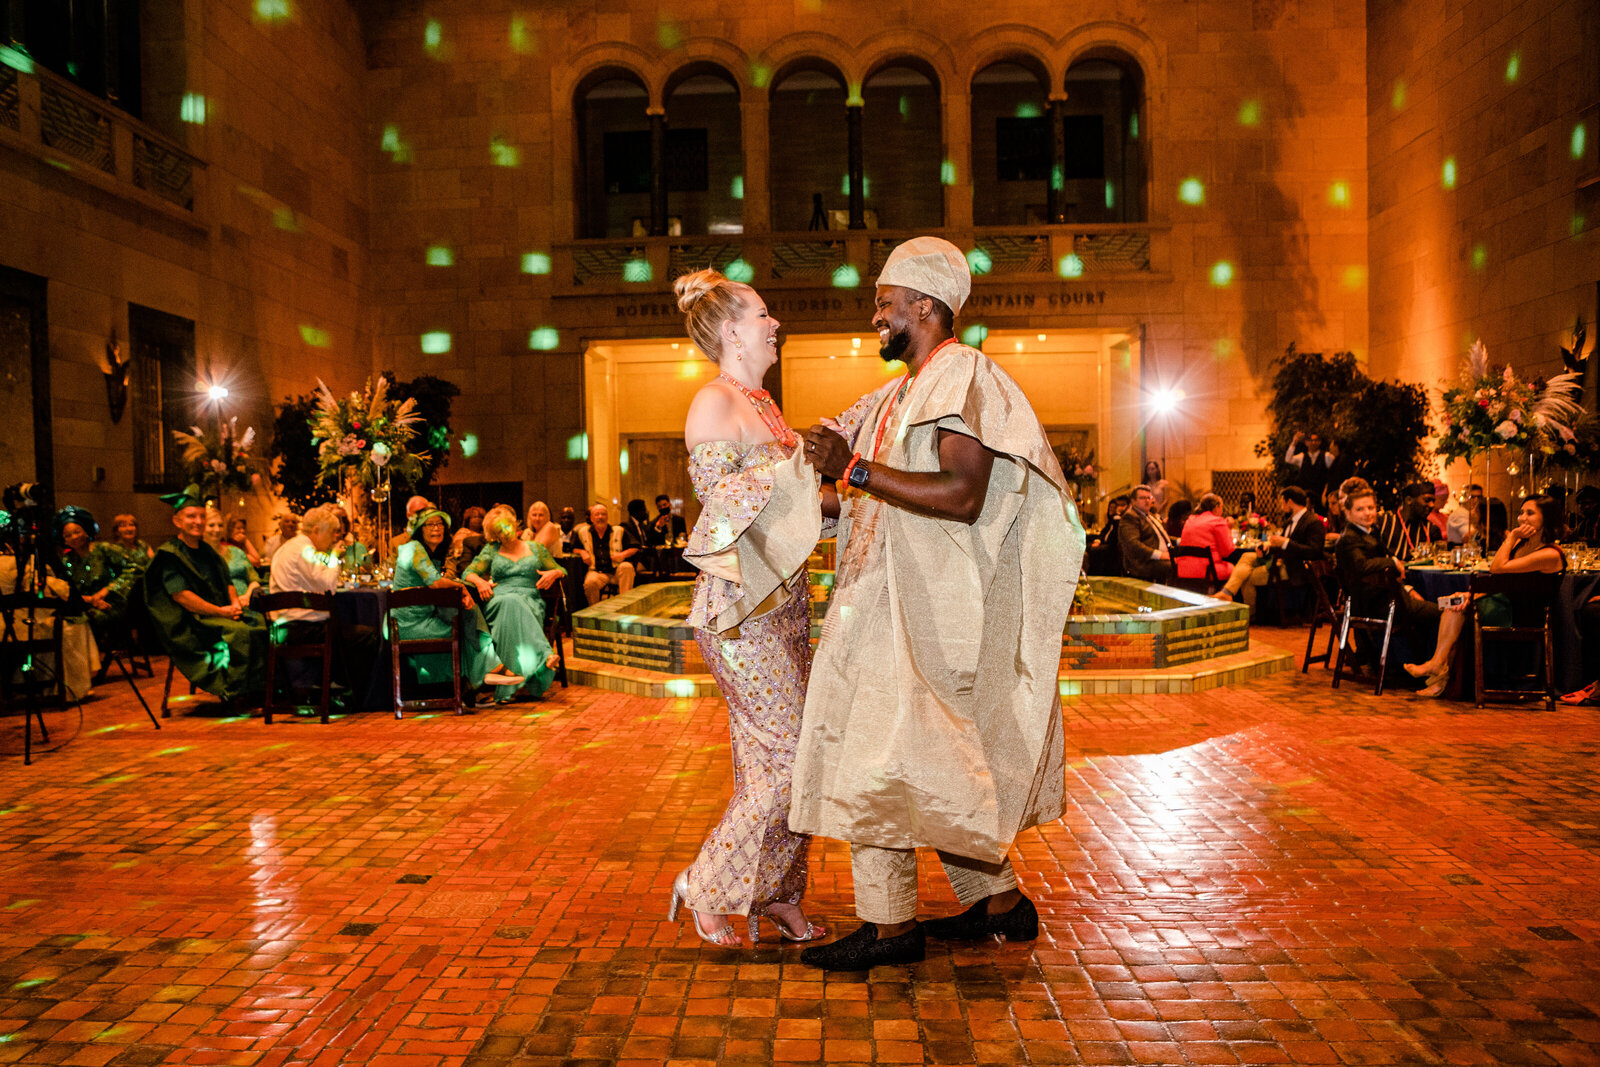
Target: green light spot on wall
<point x="904" y="106"/>
<point x="272" y="10"/>
<point x="1223" y="348"/>
<point x="760" y="75"/>
<point x="622" y="460"/>
<point x="391" y="138"/>
<point x="1353" y="276"/>
<point x="522" y="41"/>
<point x="1580" y="140"/>
<point x="1029" y="110"/>
<point x="846" y="276"/>
<point x="669" y="35"/>
<point x="1058" y="177"/>
<point x="469" y="445"/>
<point x="947" y="173"/>
<point x="1133" y="126"/>
<point x="974" y="336"/>
<point x="637" y="270"/>
<point x="1447" y="173"/>
<point x="739" y="271"/>
<point x="440" y="256"/>
<point x="16" y="59"/>
<point x="736" y="187"/>
<point x="1339" y="194"/>
<point x="679" y="687"/>
<point x="1397" y="97"/>
<point x="314" y="337"/>
<point x="1111" y="196"/>
<point x="544" y="339"/>
<point x="1576" y="226"/>
<point x="980" y="261"/>
<point x="1480" y="256"/>
<point x="433" y="37"/>
<point x="1070" y="266"/>
<point x="284" y="219"/>
<point x="578" y="446"/>
<point x="1250" y="113"/>
<point x="436" y="343"/>
<point x="193" y="109"/>
<point x="1513" y="68"/>
<point x="1192" y="191"/>
<point x="535" y="263"/>
<point x="1222" y="274"/>
<point x="504" y="154"/>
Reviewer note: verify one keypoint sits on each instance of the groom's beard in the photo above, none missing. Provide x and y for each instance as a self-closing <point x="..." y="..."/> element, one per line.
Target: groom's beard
<point x="895" y="347"/>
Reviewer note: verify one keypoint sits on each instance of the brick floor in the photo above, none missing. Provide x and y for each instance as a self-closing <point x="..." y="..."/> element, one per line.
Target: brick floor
<point x="1265" y="873"/>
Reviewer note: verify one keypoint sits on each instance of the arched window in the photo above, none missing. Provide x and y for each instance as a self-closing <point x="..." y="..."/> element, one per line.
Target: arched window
<point x="1103" y="180"/>
<point x="613" y="156"/>
<point x="809" y="145"/>
<point x="704" y="151"/>
<point x="902" y="136"/>
<point x="1012" y="144"/>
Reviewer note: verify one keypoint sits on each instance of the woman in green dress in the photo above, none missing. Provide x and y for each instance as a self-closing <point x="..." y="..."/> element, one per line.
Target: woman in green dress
<point x="241" y="574"/>
<point x="214" y="640"/>
<point x="125" y="538"/>
<point x="508" y="575"/>
<point x="96" y="571"/>
<point x="419" y="565"/>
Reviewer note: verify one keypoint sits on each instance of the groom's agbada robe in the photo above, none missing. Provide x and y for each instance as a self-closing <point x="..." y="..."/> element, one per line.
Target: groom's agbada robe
<point x="933" y="715"/>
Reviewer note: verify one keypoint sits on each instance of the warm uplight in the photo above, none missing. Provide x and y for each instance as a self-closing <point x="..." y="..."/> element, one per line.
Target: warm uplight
<point x="217" y="392"/>
<point x="1042" y="337"/>
<point x="855" y="342"/>
<point x="1166" y="401"/>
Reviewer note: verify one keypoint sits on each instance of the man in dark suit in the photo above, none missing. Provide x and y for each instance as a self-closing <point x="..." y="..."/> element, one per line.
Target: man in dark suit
<point x="1371" y="576"/>
<point x="666" y="527"/>
<point x="1145" y="544"/>
<point x="1302" y="541"/>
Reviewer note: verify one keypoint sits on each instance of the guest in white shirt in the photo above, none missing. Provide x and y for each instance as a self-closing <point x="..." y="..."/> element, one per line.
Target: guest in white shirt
<point x="309" y="563"/>
<point x="288" y="526"/>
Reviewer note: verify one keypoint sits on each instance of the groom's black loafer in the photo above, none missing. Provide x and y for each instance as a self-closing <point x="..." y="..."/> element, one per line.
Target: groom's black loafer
<point x="864" y="950"/>
<point x="1021" y="923"/>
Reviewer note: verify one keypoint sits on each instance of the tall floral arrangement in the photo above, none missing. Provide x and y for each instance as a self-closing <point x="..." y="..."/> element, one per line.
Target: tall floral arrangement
<point x="221" y="459"/>
<point x="365" y="437"/>
<point x="1487" y="410"/>
<point x="1079" y="467"/>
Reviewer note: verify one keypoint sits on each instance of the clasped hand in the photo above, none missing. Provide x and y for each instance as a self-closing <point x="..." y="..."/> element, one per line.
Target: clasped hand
<point x="827" y="450"/>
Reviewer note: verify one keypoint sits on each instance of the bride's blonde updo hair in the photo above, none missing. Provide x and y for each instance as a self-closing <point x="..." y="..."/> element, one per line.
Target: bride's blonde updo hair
<point x="707" y="299"/>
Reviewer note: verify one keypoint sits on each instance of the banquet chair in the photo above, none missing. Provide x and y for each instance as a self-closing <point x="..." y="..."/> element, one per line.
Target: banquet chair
<point x="167" y="699"/>
<point x="1322" y="612"/>
<point x="1364" y="624"/>
<point x="320" y="649"/>
<point x="1532" y="598"/>
<point x="1209" y="583"/>
<point x="399" y="649"/>
<point x="557" y="622"/>
<point x="25" y="648"/>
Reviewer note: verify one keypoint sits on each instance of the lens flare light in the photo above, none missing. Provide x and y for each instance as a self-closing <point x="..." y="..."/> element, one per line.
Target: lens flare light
<point x="436" y="342"/>
<point x="1192" y="191"/>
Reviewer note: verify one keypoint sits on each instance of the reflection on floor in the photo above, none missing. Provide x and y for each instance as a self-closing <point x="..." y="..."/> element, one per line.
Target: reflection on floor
<point x="1265" y="873"/>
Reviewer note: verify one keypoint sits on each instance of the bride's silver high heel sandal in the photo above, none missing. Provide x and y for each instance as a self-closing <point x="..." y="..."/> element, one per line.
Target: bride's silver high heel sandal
<point x="727" y="937"/>
<point x="813" y="931"/>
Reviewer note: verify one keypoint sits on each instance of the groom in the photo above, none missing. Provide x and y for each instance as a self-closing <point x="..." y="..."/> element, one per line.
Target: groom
<point x="933" y="718"/>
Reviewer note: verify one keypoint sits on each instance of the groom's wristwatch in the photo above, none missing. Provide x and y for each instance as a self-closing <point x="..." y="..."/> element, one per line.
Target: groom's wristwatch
<point x="858" y="476"/>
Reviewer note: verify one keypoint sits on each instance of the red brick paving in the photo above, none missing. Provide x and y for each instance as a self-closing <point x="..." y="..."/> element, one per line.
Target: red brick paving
<point x="1265" y="873"/>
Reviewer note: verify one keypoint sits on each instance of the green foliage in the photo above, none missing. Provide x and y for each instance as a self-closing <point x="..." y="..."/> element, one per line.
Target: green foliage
<point x="433" y="398"/>
<point x="1379" y="426"/>
<point x="294" y="455"/>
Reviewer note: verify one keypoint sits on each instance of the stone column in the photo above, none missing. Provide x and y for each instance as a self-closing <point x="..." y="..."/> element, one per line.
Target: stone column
<point x="757" y="145"/>
<point x="858" y="209"/>
<point x="658" y="171"/>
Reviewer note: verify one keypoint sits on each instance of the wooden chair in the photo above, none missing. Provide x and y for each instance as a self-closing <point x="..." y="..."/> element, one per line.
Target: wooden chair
<point x="24" y="647"/>
<point x="124" y="647"/>
<point x="320" y="650"/>
<point x="166" y="691"/>
<point x="1322" y="611"/>
<point x="1364" y="624"/>
<point x="557" y="624"/>
<point x="1532" y="599"/>
<point x="1207" y="584"/>
<point x="399" y="649"/>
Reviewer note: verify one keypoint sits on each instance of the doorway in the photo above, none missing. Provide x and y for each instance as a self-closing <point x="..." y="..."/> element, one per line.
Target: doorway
<point x="656" y="463"/>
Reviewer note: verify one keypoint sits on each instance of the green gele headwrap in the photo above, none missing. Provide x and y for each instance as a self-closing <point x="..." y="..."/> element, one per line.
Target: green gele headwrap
<point x="189" y="498"/>
<point x="72" y="513"/>
<point x="421" y="518"/>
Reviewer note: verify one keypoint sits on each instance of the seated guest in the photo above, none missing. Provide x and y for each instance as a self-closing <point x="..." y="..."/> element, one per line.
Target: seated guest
<point x="666" y="528"/>
<point x="79" y="654"/>
<point x="1406" y="532"/>
<point x="308" y="562"/>
<point x="542" y="530"/>
<point x="1103" y="554"/>
<point x="352" y="553"/>
<point x="1371" y="576"/>
<point x="1146" y="548"/>
<point x="1206" y="528"/>
<point x="102" y="574"/>
<point x="420" y="564"/>
<point x="1465" y="523"/>
<point x="1584" y="524"/>
<point x="1247" y="508"/>
<point x="125" y="538"/>
<point x="241" y="574"/>
<point x="1303" y="540"/>
<point x="636" y="527"/>
<point x="1333" y="511"/>
<point x="214" y="640"/>
<point x="466" y="544"/>
<point x="1178" y="513"/>
<point x="569" y="525"/>
<point x="237" y="537"/>
<point x="1441" y="495"/>
<point x="508" y="575"/>
<point x="288" y="526"/>
<point x="606" y="551"/>
<point x="1529" y="549"/>
<point x="414" y="507"/>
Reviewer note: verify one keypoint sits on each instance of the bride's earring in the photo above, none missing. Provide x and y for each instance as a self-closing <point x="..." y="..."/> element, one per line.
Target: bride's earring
<point x="738" y="349"/>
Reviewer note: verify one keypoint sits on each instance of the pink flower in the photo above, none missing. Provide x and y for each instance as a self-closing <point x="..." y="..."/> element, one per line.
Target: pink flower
<point x="1506" y="430"/>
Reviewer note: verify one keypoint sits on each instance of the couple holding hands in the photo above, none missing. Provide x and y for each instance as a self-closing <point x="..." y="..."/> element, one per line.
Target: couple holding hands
<point x="931" y="716"/>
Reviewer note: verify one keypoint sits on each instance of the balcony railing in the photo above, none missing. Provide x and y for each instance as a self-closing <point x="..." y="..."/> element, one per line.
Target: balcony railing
<point x="50" y="118"/>
<point x="852" y="258"/>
